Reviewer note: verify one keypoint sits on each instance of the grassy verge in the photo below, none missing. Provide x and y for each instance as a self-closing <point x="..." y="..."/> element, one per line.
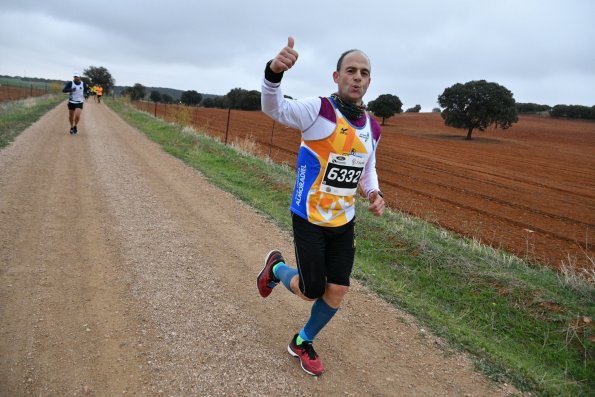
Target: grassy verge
<point x="521" y="322"/>
<point x="16" y="116"/>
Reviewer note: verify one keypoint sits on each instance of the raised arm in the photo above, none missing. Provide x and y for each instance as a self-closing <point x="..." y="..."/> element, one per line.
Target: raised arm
<point x="292" y="113"/>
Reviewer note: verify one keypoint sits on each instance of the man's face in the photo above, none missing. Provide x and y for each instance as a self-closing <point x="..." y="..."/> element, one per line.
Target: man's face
<point x="354" y="77"/>
<point x="77" y="79"/>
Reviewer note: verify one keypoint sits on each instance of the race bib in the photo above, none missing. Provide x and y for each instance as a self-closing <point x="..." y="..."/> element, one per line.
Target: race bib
<point x="342" y="175"/>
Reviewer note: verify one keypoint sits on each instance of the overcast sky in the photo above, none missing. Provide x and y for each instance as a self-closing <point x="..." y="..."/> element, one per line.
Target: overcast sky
<point x="541" y="50"/>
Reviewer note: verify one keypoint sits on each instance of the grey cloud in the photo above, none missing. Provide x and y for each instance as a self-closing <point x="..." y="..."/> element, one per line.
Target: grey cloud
<point x="540" y="50"/>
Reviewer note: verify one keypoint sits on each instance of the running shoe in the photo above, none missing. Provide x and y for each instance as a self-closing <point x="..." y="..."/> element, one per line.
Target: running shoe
<point x="309" y="360"/>
<point x="266" y="280"/>
<point x="71" y="130"/>
<point x="75" y="130"/>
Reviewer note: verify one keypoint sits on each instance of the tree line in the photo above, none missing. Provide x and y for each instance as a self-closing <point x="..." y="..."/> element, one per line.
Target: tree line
<point x="474" y="105"/>
<point x="236" y="98"/>
<point x="559" y="111"/>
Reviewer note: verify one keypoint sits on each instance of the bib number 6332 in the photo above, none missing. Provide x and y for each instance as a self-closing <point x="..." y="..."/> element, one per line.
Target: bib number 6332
<point x="342" y="175"/>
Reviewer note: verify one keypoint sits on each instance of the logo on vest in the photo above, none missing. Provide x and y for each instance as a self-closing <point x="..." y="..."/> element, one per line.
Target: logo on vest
<point x="300" y="187"/>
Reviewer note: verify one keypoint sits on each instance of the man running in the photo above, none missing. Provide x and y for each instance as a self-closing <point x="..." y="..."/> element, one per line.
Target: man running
<point x="99" y="92"/>
<point x="77" y="90"/>
<point x="337" y="154"/>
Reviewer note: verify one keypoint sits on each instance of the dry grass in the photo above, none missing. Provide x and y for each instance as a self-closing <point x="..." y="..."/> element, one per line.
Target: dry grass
<point x="577" y="278"/>
<point x="246" y="145"/>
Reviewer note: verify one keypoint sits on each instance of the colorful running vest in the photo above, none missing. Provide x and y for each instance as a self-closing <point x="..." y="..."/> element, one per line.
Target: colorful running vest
<point x="330" y="164"/>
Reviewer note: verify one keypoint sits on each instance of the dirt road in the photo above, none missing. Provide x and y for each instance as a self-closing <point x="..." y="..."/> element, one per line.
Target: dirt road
<point x="123" y="272"/>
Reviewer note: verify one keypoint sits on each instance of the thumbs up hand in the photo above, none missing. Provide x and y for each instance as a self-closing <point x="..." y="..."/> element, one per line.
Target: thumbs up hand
<point x="286" y="58"/>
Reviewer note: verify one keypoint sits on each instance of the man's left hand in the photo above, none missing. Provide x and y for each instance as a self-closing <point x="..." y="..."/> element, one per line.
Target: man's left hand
<point x="376" y="204"/>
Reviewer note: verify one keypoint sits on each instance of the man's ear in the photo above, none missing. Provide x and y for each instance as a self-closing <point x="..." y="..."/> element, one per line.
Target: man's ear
<point x="336" y="76"/>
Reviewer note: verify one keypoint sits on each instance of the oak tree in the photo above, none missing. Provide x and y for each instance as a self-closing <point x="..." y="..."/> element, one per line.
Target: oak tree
<point x="385" y="106"/>
<point x="100" y="75"/>
<point x="191" y="98"/>
<point x="477" y="105"/>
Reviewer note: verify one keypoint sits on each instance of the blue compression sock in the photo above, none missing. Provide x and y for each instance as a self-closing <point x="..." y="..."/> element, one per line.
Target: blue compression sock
<point x="321" y="314"/>
<point x="285" y="274"/>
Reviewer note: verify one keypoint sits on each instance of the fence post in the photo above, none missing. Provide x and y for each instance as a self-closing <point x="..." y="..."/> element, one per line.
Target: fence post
<point x="227" y="128"/>
<point x="31" y="90"/>
<point x="271" y="143"/>
<point x="155" y="110"/>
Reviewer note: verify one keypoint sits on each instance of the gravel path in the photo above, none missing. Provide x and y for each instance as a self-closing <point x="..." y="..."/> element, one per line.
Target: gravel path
<point x="123" y="272"/>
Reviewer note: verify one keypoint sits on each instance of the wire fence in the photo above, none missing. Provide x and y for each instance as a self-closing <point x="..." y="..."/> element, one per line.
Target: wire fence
<point x="14" y="91"/>
<point x="251" y="130"/>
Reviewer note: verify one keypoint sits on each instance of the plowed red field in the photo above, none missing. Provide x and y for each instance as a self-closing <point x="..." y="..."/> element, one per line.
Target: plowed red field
<point x="529" y="190"/>
<point x="10" y="93"/>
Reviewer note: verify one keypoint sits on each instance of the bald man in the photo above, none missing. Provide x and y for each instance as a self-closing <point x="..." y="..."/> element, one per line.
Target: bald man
<point x="337" y="156"/>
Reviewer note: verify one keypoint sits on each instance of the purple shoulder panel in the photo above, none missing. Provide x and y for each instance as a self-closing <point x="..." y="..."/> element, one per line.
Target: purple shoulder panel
<point x="376" y="131"/>
<point x="327" y="110"/>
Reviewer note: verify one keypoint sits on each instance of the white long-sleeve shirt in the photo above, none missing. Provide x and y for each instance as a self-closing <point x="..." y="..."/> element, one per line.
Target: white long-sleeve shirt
<point x="336" y="155"/>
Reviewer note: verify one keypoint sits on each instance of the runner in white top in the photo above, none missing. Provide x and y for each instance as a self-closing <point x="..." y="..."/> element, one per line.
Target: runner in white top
<point x="77" y="90"/>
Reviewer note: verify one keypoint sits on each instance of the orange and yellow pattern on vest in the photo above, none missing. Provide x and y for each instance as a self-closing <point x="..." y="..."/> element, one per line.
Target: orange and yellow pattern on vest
<point x="328" y="209"/>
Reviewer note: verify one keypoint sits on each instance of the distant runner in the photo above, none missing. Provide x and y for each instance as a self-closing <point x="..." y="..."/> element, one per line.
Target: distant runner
<point x="99" y="92"/>
<point x="92" y="93"/>
<point x="77" y="90"/>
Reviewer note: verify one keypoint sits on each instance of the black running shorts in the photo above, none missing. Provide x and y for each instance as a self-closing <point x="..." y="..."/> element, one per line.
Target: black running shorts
<point x="73" y="106"/>
<point x="323" y="254"/>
